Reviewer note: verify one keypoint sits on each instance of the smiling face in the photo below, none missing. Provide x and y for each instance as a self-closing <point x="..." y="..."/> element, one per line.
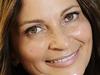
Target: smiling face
<point x="54" y="37"/>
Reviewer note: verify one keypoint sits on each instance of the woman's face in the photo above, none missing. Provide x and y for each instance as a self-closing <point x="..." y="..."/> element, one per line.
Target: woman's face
<point x="55" y="38"/>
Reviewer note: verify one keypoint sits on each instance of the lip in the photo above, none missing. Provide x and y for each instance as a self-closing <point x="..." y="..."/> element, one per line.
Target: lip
<point x="63" y="61"/>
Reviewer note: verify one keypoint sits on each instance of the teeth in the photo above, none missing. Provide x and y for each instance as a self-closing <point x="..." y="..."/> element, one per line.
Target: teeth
<point x="63" y="59"/>
<point x="59" y="61"/>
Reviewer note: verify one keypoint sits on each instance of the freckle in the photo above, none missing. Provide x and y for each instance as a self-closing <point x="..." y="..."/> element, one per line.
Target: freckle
<point x="31" y="50"/>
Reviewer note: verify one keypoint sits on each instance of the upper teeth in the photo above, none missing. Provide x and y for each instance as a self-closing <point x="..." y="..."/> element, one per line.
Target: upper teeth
<point x="66" y="58"/>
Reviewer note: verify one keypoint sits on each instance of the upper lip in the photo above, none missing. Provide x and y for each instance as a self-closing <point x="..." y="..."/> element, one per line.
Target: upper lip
<point x="62" y="57"/>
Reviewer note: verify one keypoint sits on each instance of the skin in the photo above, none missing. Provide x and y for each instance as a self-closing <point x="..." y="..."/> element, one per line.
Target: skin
<point x="52" y="29"/>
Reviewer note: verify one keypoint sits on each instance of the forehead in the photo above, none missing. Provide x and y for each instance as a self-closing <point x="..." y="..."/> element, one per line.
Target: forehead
<point x="44" y="8"/>
<point x="38" y="4"/>
<point x="35" y="2"/>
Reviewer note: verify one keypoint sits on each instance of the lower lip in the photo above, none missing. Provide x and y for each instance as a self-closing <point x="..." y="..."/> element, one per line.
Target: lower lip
<point x="69" y="60"/>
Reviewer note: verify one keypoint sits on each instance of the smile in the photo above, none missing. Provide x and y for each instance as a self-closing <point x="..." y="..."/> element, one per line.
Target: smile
<point x="64" y="60"/>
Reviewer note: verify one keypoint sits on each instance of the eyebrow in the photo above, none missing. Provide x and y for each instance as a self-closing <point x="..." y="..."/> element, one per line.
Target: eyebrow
<point x="32" y="21"/>
<point x="41" y="21"/>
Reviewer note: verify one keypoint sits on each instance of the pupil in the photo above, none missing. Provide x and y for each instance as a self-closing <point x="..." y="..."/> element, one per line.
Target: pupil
<point x="34" y="29"/>
<point x="69" y="17"/>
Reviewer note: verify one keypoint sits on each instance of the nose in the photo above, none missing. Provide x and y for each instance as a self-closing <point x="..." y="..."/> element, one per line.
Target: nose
<point x="58" y="42"/>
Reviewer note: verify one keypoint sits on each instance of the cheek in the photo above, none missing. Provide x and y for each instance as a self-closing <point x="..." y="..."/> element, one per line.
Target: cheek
<point x="32" y="49"/>
<point x="83" y="32"/>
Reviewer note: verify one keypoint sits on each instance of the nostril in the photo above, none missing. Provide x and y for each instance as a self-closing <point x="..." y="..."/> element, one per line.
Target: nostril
<point x="58" y="42"/>
<point x="58" y="46"/>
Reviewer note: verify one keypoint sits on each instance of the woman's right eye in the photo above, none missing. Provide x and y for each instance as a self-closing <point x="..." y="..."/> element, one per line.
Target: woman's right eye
<point x="33" y="30"/>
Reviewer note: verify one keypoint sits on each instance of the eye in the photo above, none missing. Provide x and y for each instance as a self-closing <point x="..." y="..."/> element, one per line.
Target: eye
<point x="71" y="17"/>
<point x="33" y="30"/>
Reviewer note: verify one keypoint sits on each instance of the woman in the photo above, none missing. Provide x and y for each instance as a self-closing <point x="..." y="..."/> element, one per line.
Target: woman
<point x="49" y="37"/>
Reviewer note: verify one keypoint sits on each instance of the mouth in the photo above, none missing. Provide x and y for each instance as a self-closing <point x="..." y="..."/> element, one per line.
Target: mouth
<point x="63" y="61"/>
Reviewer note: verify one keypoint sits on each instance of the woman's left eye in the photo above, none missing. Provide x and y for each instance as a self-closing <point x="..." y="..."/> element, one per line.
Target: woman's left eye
<point x="71" y="17"/>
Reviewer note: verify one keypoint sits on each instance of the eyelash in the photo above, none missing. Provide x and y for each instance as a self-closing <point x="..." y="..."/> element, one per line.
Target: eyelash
<point x="71" y="17"/>
<point x="33" y="30"/>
